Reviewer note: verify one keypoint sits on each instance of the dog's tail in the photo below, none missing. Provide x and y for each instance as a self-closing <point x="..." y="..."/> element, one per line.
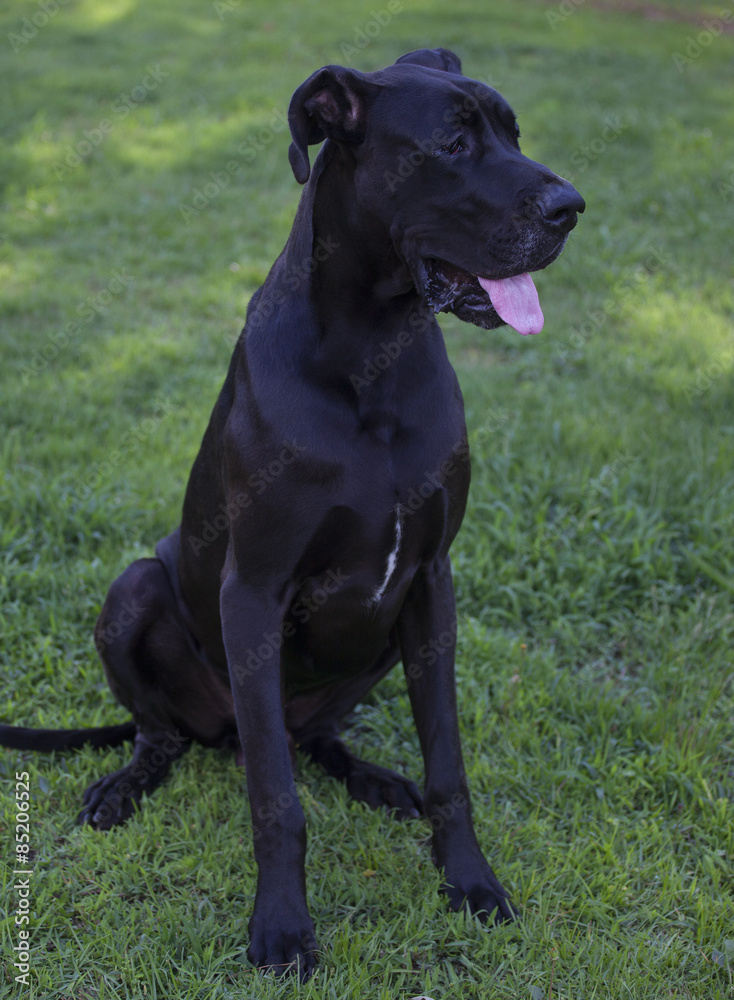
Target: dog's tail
<point x="20" y="738"/>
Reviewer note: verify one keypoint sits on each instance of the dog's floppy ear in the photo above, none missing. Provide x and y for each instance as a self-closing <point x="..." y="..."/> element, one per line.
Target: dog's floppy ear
<point x="331" y="104"/>
<point x="433" y="59"/>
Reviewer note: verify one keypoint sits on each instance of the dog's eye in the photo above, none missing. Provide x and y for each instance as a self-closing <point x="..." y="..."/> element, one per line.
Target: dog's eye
<point x="453" y="147"/>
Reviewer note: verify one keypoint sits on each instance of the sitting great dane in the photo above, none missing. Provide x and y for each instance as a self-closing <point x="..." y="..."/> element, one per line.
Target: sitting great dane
<point x="313" y="550"/>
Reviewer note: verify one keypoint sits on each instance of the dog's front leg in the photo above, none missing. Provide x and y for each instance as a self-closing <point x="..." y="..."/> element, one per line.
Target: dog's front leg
<point x="427" y="631"/>
<point x="281" y="931"/>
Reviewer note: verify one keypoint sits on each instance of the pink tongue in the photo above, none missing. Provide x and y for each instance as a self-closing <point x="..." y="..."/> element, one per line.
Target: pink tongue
<point x="516" y="302"/>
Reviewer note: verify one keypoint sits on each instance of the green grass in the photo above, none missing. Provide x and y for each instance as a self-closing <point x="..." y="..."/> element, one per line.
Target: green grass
<point x="594" y="571"/>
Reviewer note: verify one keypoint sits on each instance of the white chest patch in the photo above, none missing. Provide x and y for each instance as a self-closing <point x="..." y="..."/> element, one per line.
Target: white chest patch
<point x="392" y="559"/>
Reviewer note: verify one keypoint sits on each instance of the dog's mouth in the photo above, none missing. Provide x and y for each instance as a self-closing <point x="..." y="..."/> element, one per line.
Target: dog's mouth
<point x="486" y="302"/>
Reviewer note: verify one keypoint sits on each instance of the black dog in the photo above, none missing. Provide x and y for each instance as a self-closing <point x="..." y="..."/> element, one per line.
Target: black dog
<point x="313" y="552"/>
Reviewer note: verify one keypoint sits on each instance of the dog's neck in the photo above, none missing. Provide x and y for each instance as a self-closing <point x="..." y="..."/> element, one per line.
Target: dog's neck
<point x="362" y="291"/>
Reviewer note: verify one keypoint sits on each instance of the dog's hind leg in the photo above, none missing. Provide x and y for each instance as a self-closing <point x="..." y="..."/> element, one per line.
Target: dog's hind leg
<point x="154" y="671"/>
<point x="317" y="720"/>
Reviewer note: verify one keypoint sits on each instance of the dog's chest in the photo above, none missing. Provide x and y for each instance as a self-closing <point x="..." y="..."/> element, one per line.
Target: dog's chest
<point x="366" y="564"/>
<point x="394" y="510"/>
<point x="391" y="561"/>
<point x="341" y="617"/>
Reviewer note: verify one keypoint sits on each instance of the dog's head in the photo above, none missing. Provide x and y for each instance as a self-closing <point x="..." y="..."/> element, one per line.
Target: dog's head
<point x="436" y="158"/>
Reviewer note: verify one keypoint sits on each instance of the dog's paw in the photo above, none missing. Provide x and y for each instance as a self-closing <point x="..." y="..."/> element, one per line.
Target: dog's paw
<point x="481" y="894"/>
<point x="110" y="800"/>
<point x="284" y="947"/>
<point x="380" y="787"/>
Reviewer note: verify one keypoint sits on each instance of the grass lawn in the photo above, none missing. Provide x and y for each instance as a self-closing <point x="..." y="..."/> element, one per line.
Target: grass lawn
<point x="594" y="571"/>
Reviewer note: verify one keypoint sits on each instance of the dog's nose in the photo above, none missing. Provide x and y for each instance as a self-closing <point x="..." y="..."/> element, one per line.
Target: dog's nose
<point x="559" y="205"/>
